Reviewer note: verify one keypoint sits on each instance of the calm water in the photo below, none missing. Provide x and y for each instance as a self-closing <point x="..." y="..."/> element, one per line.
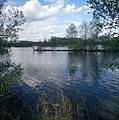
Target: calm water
<point x="75" y="75"/>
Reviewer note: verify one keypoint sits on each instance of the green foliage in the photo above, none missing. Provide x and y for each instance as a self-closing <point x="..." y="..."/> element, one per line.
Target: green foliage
<point x="91" y="43"/>
<point x="79" y="46"/>
<point x="10" y="24"/>
<point x="22" y="43"/>
<point x="113" y="45"/>
<point x="10" y="74"/>
<point x="107" y="11"/>
<point x="3" y="45"/>
<point x="56" y="41"/>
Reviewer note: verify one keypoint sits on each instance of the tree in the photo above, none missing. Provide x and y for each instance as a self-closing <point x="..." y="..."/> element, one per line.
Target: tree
<point x="95" y="28"/>
<point x="84" y="30"/>
<point x="10" y="24"/>
<point x="107" y="11"/>
<point x="72" y="31"/>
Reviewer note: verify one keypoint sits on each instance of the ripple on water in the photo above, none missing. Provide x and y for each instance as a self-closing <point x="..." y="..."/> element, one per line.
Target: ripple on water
<point x="75" y="74"/>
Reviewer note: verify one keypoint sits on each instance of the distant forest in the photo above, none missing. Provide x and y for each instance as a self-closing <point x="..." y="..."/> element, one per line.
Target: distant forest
<point x="87" y="35"/>
<point x="75" y="43"/>
<point x="53" y="42"/>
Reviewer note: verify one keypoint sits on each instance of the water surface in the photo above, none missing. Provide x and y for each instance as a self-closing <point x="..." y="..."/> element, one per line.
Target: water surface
<point x="75" y="74"/>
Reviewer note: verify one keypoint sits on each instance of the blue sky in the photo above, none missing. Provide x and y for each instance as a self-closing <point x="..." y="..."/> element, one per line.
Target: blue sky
<point x="46" y="18"/>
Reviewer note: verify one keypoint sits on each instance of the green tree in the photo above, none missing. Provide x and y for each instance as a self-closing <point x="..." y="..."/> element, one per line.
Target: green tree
<point x="107" y="11"/>
<point x="72" y="32"/>
<point x="95" y="28"/>
<point x="84" y="30"/>
<point x="10" y="24"/>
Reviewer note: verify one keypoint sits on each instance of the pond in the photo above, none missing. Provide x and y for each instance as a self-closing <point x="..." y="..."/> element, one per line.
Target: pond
<point x="72" y="81"/>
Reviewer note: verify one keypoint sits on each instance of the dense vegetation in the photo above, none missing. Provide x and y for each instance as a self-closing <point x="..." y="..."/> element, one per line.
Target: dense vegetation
<point x="53" y="42"/>
<point x="105" y="42"/>
<point x="10" y="73"/>
<point x="10" y="23"/>
<point x="86" y="36"/>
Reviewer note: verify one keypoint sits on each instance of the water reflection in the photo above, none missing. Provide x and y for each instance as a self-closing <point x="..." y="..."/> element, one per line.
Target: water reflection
<point x="95" y="88"/>
<point x="72" y="78"/>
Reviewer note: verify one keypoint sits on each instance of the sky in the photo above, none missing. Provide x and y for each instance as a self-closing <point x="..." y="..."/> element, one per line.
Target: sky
<point x="46" y="18"/>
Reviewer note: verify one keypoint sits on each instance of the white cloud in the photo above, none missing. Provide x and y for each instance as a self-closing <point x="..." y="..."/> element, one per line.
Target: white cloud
<point x="10" y="2"/>
<point x="42" y="20"/>
<point x="7" y="8"/>
<point x="79" y="9"/>
<point x="72" y="8"/>
<point x="34" y="11"/>
<point x="61" y="34"/>
<point x="69" y="8"/>
<point x="39" y="30"/>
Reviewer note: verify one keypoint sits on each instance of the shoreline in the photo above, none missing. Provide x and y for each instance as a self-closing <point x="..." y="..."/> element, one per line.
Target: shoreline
<point x="73" y="50"/>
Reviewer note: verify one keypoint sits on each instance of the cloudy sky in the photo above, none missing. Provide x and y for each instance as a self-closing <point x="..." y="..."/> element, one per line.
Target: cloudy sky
<point x="46" y="18"/>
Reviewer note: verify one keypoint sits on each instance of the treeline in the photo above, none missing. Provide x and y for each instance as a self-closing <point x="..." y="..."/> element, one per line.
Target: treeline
<point x="82" y="37"/>
<point x="56" y="41"/>
<point x="87" y="35"/>
<point x="53" y="42"/>
<point x="75" y="43"/>
<point x="22" y="43"/>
